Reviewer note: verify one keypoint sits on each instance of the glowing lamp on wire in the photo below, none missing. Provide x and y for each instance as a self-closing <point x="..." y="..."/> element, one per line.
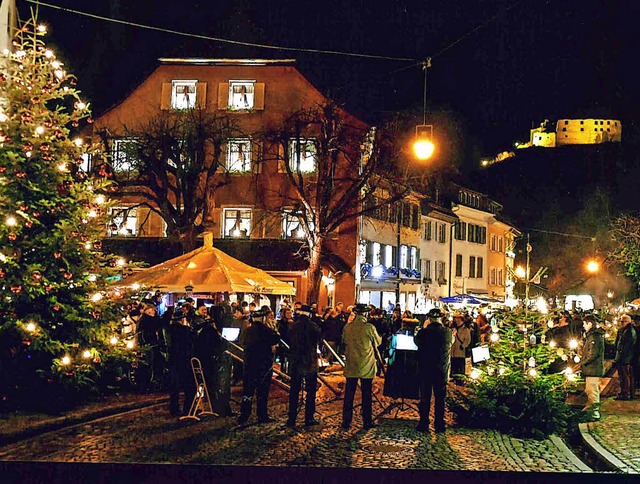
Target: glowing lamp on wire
<point x="593" y="266"/>
<point x="423" y="146"/>
<point x="520" y="272"/>
<point x="573" y="344"/>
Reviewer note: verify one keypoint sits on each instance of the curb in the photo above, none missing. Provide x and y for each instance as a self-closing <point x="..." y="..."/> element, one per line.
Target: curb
<point x="603" y="456"/>
<point x="10" y="438"/>
<point x="559" y="443"/>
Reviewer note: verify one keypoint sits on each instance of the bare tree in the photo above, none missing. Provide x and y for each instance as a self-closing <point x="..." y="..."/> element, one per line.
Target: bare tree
<point x="333" y="163"/>
<point x="173" y="165"/>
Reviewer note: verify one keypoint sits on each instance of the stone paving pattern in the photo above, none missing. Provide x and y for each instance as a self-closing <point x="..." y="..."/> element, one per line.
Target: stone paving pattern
<point x="151" y="435"/>
<point x="619" y="430"/>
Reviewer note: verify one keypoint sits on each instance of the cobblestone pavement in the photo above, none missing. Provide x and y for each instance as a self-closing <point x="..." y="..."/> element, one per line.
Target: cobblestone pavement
<point x="619" y="431"/>
<point x="151" y="435"/>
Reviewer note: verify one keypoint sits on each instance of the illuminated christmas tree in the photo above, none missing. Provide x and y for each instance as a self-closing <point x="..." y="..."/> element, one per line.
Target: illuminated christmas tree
<point x="57" y="320"/>
<point x="522" y="388"/>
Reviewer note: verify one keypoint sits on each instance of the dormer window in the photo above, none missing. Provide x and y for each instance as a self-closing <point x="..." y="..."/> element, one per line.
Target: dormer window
<point x="241" y="94"/>
<point x="183" y="94"/>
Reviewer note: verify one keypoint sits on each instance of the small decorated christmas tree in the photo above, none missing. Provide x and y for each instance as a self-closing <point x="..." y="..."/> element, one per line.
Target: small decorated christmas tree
<point x="522" y="388"/>
<point x="57" y="320"/>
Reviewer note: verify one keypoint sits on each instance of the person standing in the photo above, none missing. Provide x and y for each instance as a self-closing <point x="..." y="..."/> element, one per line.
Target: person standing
<point x="625" y="352"/>
<point x="592" y="363"/>
<point x="434" y="359"/>
<point x="361" y="340"/>
<point x="461" y="341"/>
<point x="304" y="337"/>
<point x="180" y="349"/>
<point x="258" y="341"/>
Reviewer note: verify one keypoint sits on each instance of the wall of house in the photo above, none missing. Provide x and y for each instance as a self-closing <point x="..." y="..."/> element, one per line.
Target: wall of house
<point x="465" y="283"/>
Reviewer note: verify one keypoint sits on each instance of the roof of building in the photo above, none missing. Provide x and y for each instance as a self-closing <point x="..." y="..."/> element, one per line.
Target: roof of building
<point x="224" y="62"/>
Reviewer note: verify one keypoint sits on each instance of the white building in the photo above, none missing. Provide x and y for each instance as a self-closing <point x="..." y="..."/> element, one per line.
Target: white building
<point x="388" y="267"/>
<point x="469" y="248"/>
<point x="435" y="247"/>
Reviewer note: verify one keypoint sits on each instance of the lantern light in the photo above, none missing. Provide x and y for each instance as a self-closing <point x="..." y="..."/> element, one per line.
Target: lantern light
<point x="31" y="327"/>
<point x="86" y="354"/>
<point x="114" y="340"/>
<point x="65" y="360"/>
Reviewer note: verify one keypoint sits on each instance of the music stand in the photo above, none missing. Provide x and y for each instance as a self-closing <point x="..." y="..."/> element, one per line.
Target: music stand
<point x="402" y="375"/>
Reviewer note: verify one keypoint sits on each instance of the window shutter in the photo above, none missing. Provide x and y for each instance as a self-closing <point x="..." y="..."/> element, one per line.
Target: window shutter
<point x="223" y="96"/>
<point x="417" y="263"/>
<point x="201" y="95"/>
<point x="370" y="252"/>
<point x="258" y="100"/>
<point x="281" y="167"/>
<point x="394" y="257"/>
<point x="165" y="99"/>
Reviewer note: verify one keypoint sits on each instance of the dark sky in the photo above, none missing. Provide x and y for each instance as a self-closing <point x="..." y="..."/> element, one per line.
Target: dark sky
<point x="538" y="59"/>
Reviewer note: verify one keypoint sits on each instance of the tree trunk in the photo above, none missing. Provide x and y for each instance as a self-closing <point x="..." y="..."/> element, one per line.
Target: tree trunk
<point x="314" y="275"/>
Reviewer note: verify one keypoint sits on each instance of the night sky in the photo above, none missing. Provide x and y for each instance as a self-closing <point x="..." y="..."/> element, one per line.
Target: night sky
<point x="537" y="59"/>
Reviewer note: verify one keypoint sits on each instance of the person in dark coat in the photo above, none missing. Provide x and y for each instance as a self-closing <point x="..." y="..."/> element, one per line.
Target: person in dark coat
<point x="332" y="333"/>
<point x="180" y="349"/>
<point x="282" y="352"/>
<point x="210" y="348"/>
<point x="258" y="341"/>
<point x="434" y="361"/>
<point x="304" y="337"/>
<point x="592" y="363"/>
<point x="148" y="329"/>
<point x="625" y="352"/>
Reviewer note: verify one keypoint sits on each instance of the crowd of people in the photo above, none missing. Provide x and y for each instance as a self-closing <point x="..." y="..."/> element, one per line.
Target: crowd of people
<point x="300" y="337"/>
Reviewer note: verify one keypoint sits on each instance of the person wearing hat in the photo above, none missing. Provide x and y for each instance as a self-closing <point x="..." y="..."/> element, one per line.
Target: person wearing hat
<point x="361" y="340"/>
<point x="257" y="340"/>
<point x="434" y="360"/>
<point x="304" y="337"/>
<point x="592" y="364"/>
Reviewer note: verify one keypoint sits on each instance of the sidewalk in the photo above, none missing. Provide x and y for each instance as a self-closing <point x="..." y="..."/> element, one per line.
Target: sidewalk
<point x="20" y="425"/>
<point x="615" y="439"/>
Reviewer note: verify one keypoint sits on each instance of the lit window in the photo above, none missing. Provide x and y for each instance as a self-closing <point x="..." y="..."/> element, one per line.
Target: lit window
<point x="124" y="154"/>
<point x="123" y="222"/>
<point x="302" y="154"/>
<point x="292" y="228"/>
<point x="414" y="257"/>
<point x="241" y="94"/>
<point x="237" y="222"/>
<point x="442" y="233"/>
<point x="375" y="250"/>
<point x="388" y="255"/>
<point x="239" y="155"/>
<point x="404" y="256"/>
<point x="183" y="94"/>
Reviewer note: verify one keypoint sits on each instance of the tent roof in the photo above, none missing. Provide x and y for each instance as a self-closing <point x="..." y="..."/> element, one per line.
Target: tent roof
<point x="209" y="270"/>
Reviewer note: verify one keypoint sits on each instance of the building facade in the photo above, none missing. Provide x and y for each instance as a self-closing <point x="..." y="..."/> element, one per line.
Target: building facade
<point x="248" y="214"/>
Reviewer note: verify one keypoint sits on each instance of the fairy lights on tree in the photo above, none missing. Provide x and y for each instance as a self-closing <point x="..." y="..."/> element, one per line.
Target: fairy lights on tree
<point x="56" y="314"/>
